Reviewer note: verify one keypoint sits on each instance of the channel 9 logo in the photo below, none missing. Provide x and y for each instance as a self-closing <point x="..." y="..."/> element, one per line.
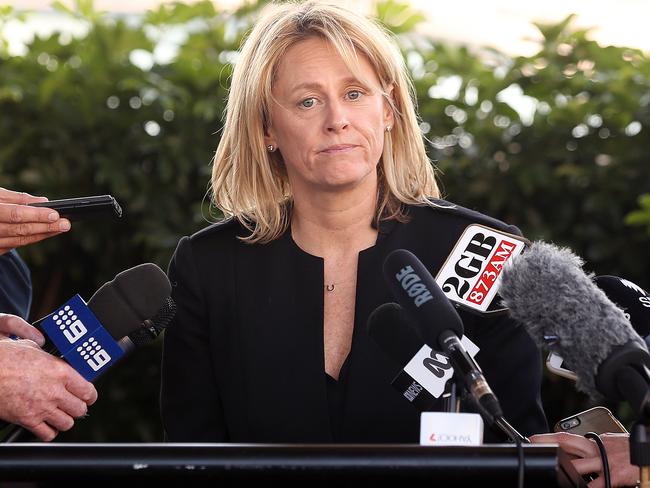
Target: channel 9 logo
<point x="81" y="339"/>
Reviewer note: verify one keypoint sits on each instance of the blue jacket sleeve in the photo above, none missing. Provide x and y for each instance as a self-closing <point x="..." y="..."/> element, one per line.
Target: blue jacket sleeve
<point x="15" y="285"/>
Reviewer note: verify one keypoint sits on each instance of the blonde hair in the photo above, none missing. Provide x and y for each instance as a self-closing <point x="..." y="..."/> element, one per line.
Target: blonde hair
<point x="248" y="182"/>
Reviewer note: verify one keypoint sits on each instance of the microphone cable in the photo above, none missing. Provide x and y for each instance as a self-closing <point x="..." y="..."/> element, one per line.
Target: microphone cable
<point x="603" y="456"/>
<point x="521" y="462"/>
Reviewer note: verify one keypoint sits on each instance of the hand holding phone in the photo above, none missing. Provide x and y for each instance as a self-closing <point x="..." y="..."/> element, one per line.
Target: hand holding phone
<point x="596" y="419"/>
<point x="83" y="207"/>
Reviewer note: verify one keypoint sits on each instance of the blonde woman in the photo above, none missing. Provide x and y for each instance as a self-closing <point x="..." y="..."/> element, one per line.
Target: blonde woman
<point x="321" y="171"/>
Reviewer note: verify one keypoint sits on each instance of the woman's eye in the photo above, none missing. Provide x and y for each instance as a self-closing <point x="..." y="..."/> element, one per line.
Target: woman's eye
<point x="308" y="103"/>
<point x="354" y="95"/>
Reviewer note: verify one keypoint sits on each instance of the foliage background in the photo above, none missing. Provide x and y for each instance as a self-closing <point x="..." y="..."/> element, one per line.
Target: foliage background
<point x="99" y="113"/>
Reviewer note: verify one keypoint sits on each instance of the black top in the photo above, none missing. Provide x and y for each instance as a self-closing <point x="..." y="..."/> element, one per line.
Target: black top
<point x="243" y="360"/>
<point x="15" y="285"/>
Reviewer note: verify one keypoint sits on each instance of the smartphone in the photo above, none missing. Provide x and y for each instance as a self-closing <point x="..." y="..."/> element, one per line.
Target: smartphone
<point x="596" y="419"/>
<point x="83" y="207"/>
<point x="554" y="363"/>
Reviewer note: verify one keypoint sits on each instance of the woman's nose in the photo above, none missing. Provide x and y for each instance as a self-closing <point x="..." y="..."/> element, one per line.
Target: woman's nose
<point x="337" y="119"/>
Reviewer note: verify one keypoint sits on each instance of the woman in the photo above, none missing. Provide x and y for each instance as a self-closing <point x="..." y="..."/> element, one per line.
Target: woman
<point x="321" y="171"/>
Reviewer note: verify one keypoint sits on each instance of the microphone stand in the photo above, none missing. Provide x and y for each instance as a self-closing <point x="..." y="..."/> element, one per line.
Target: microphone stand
<point x="500" y="422"/>
<point x="451" y="401"/>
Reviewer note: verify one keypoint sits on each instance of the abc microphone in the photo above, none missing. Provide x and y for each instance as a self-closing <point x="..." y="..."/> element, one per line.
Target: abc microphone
<point x="423" y="373"/>
<point x="426" y="374"/>
<point x="126" y="312"/>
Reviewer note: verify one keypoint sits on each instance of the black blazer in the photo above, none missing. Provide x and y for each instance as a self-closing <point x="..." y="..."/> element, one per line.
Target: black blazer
<point x="243" y="360"/>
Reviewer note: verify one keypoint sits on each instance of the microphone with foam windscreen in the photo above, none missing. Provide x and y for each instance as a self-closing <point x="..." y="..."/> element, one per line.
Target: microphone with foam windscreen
<point x="129" y="311"/>
<point x="437" y="323"/>
<point x="631" y="298"/>
<point x="135" y="306"/>
<point x="560" y="306"/>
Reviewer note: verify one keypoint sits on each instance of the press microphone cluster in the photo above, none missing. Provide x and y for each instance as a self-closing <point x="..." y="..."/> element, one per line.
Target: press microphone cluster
<point x="561" y="307"/>
<point x="438" y="323"/>
<point x="127" y="312"/>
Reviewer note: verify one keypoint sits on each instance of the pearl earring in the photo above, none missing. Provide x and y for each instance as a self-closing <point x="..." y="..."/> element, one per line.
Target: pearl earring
<point x="270" y="148"/>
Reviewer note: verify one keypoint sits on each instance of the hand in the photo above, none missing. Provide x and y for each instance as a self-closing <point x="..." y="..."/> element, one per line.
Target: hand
<point x="587" y="456"/>
<point x="13" y="325"/>
<point x="21" y="224"/>
<point x="39" y="391"/>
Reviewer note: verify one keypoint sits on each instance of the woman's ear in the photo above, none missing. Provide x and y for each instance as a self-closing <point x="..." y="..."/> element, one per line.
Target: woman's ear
<point x="269" y="140"/>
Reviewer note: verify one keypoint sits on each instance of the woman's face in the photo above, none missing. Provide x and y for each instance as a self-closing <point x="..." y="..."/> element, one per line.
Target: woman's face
<point x="328" y="125"/>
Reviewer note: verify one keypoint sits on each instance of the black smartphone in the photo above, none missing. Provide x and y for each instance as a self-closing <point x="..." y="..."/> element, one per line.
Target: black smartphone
<point x="83" y="207"/>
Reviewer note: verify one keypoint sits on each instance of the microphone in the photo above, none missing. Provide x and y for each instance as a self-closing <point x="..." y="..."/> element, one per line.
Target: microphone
<point x="127" y="312"/>
<point x="426" y="373"/>
<point x="437" y="322"/>
<point x="562" y="308"/>
<point x="634" y="300"/>
<point x="423" y="373"/>
<point x="470" y="277"/>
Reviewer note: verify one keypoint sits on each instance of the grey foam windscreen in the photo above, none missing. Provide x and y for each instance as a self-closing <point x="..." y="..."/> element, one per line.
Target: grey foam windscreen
<point x="560" y="306"/>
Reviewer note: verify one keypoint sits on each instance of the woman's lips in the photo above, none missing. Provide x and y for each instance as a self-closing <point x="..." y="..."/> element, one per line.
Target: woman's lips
<point x="339" y="148"/>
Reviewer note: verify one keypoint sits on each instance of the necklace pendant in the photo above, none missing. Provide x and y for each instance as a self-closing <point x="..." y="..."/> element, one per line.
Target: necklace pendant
<point x="329" y="287"/>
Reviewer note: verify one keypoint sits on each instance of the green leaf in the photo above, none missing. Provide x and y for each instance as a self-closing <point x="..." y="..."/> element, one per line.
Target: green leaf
<point x="398" y="17"/>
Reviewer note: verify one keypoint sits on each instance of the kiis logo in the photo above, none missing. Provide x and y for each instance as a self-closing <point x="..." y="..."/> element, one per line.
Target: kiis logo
<point x="460" y="439"/>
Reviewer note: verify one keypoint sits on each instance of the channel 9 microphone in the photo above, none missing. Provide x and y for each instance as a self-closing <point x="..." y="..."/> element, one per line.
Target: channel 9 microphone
<point x="129" y="311"/>
<point x="439" y="325"/>
<point x="561" y="307"/>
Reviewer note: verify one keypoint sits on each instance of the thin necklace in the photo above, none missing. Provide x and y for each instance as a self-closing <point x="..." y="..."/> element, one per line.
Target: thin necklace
<point x="332" y="286"/>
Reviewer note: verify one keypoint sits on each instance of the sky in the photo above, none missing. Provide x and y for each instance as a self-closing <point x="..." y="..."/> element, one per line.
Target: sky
<point x="504" y="24"/>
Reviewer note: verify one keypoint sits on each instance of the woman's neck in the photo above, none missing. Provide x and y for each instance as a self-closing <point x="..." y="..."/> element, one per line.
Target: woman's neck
<point x="334" y="223"/>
